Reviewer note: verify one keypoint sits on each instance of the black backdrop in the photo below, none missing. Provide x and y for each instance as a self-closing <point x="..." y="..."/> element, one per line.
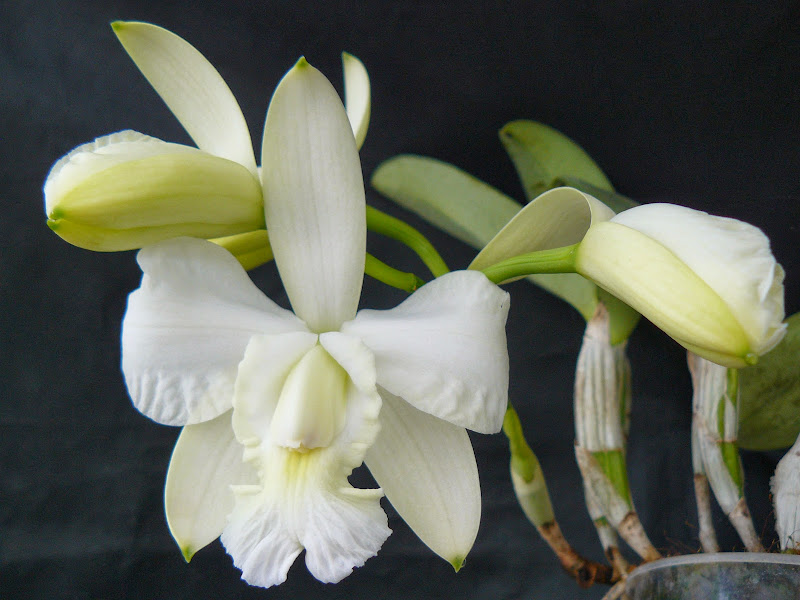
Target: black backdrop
<point x="693" y="103"/>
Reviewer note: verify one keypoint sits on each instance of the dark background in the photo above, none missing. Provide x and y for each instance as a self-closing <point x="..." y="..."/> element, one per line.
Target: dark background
<point x="694" y="103"/>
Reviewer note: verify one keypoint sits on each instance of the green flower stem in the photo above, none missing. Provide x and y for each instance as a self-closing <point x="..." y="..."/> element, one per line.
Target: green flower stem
<point x="394" y="228"/>
<point x="556" y="260"/>
<point x="251" y="249"/>
<point x="401" y="280"/>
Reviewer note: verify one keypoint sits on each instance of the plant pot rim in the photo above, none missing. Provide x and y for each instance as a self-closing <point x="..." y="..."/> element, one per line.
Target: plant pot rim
<point x="718" y="557"/>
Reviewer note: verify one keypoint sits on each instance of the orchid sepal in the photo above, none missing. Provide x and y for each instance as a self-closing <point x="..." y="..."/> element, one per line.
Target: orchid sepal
<point x="314" y="198"/>
<point x="205" y="462"/>
<point x="192" y="89"/>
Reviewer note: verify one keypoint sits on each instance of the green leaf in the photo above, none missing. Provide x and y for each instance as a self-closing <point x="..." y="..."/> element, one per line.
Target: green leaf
<point x="445" y="196"/>
<point x="542" y="155"/>
<point x="769" y="411"/>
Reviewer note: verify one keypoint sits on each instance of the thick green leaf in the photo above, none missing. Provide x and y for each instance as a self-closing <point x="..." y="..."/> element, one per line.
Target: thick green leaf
<point x="542" y="155"/>
<point x="451" y="199"/>
<point x="769" y="413"/>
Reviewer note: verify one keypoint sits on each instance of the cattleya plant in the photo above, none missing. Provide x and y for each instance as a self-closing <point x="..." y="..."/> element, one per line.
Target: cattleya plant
<point x="278" y="407"/>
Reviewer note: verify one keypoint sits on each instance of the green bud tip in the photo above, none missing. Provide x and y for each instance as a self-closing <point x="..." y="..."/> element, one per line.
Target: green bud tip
<point x="53" y="225"/>
<point x="458" y="562"/>
<point x="188" y="552"/>
<point x="301" y="63"/>
<point x="504" y="131"/>
<point x="117" y="25"/>
<point x="751" y="358"/>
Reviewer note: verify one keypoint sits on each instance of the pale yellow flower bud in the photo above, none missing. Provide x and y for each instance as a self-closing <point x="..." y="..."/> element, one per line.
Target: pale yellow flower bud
<point x="711" y="283"/>
<point x="127" y="190"/>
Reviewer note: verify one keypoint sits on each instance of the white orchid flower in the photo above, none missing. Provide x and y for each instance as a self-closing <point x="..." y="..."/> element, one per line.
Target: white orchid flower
<point x="709" y="282"/>
<point x="127" y="189"/>
<point x="280" y="407"/>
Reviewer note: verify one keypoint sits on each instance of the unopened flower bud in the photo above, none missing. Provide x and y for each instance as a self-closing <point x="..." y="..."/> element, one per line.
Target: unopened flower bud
<point x="127" y="190"/>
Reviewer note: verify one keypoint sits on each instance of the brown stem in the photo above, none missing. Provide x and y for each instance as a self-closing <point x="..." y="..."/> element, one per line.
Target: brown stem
<point x="584" y="571"/>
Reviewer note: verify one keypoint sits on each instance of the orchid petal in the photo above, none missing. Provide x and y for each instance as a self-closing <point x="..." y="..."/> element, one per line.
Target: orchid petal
<point x="127" y="190"/>
<point x="443" y="349"/>
<point x="302" y="506"/>
<point x="356" y="96"/>
<point x="206" y="462"/>
<point x="314" y="198"/>
<point x="304" y="500"/>
<point x="427" y="470"/>
<point x="187" y="327"/>
<point x="192" y="89"/>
